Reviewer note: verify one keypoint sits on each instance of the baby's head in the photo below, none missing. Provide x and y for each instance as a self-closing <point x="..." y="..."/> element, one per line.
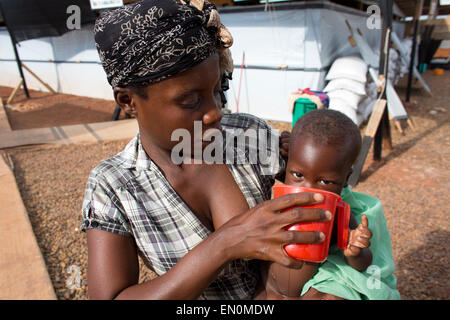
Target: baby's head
<point x="323" y="148"/>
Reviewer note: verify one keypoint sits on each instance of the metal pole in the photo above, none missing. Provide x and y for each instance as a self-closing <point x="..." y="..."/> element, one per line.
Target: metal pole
<point x="19" y="63"/>
<point x="411" y="62"/>
<point x="383" y="134"/>
<point x="419" y="8"/>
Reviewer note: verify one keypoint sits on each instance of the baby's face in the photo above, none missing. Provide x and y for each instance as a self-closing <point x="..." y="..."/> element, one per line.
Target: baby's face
<point x="312" y="165"/>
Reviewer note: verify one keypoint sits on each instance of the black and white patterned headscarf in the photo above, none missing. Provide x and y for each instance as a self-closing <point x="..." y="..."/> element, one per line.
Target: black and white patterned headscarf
<point x="148" y="41"/>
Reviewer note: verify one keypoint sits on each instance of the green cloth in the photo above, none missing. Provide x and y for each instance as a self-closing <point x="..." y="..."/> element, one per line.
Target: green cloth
<point x="378" y="282"/>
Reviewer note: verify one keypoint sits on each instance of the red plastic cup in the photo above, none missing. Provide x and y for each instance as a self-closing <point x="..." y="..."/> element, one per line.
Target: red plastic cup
<point x="317" y="252"/>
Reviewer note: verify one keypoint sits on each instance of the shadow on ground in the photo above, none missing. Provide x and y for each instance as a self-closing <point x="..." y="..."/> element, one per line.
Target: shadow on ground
<point x="397" y="151"/>
<point x="422" y="273"/>
<point x="59" y="114"/>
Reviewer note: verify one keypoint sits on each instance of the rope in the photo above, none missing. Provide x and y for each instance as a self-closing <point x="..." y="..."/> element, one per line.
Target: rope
<point x="240" y="81"/>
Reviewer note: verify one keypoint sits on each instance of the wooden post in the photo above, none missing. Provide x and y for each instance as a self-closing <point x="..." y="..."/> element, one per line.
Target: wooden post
<point x="369" y="134"/>
<point x="39" y="79"/>
<point x="378" y="128"/>
<point x="383" y="134"/>
<point x="11" y="96"/>
<point x="419" y="7"/>
<point x="428" y="29"/>
<point x="432" y="13"/>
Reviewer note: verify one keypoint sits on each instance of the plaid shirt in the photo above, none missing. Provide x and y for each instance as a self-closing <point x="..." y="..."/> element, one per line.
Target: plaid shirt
<point x="128" y="195"/>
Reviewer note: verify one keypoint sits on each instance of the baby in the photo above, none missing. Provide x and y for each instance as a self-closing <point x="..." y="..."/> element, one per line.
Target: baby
<point x="324" y="145"/>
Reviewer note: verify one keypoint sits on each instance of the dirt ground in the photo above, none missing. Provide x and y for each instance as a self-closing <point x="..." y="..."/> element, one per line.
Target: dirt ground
<point x="45" y="109"/>
<point x="411" y="181"/>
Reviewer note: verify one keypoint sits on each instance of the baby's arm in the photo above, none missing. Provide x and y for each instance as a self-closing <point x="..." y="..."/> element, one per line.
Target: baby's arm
<point x="357" y="254"/>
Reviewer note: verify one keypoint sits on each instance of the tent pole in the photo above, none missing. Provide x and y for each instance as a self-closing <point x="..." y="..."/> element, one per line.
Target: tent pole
<point x="378" y="129"/>
<point x="419" y="7"/>
<point x="383" y="134"/>
<point x="426" y="40"/>
<point x="19" y="63"/>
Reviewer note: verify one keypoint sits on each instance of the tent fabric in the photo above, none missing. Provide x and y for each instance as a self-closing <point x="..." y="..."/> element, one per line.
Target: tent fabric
<point x="55" y="60"/>
<point x="30" y="19"/>
<point x="287" y="48"/>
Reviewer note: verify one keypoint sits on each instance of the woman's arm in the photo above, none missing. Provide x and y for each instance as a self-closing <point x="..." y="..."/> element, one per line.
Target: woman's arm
<point x="257" y="234"/>
<point x="113" y="271"/>
<point x="285" y="137"/>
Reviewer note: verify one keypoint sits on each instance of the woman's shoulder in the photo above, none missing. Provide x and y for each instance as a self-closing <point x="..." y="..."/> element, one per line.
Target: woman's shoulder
<point x="107" y="178"/>
<point x="115" y="171"/>
<point x="243" y="121"/>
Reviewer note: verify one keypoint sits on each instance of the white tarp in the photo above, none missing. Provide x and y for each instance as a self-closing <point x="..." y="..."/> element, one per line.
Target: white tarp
<point x="305" y="37"/>
<point x="300" y="41"/>
<point x="83" y="79"/>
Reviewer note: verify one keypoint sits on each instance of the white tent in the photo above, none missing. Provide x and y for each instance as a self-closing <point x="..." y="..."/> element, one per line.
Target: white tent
<point x="287" y="47"/>
<point x="68" y="63"/>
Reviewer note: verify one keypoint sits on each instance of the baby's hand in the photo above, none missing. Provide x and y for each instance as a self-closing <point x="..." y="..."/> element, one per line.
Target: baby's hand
<point x="359" y="238"/>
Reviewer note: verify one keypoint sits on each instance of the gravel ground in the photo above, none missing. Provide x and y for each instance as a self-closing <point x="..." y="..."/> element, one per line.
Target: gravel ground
<point x="411" y="181"/>
<point x="52" y="181"/>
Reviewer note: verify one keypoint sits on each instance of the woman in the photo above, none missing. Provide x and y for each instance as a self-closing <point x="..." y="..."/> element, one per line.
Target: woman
<point x="200" y="227"/>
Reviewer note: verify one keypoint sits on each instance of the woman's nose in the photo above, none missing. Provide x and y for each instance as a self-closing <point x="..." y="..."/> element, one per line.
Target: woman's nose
<point x="213" y="115"/>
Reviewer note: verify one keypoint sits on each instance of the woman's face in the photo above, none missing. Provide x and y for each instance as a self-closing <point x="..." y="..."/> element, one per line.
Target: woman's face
<point x="175" y="103"/>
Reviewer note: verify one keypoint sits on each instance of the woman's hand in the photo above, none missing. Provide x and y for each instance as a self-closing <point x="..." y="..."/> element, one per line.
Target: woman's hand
<point x="285" y="137"/>
<point x="260" y="232"/>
